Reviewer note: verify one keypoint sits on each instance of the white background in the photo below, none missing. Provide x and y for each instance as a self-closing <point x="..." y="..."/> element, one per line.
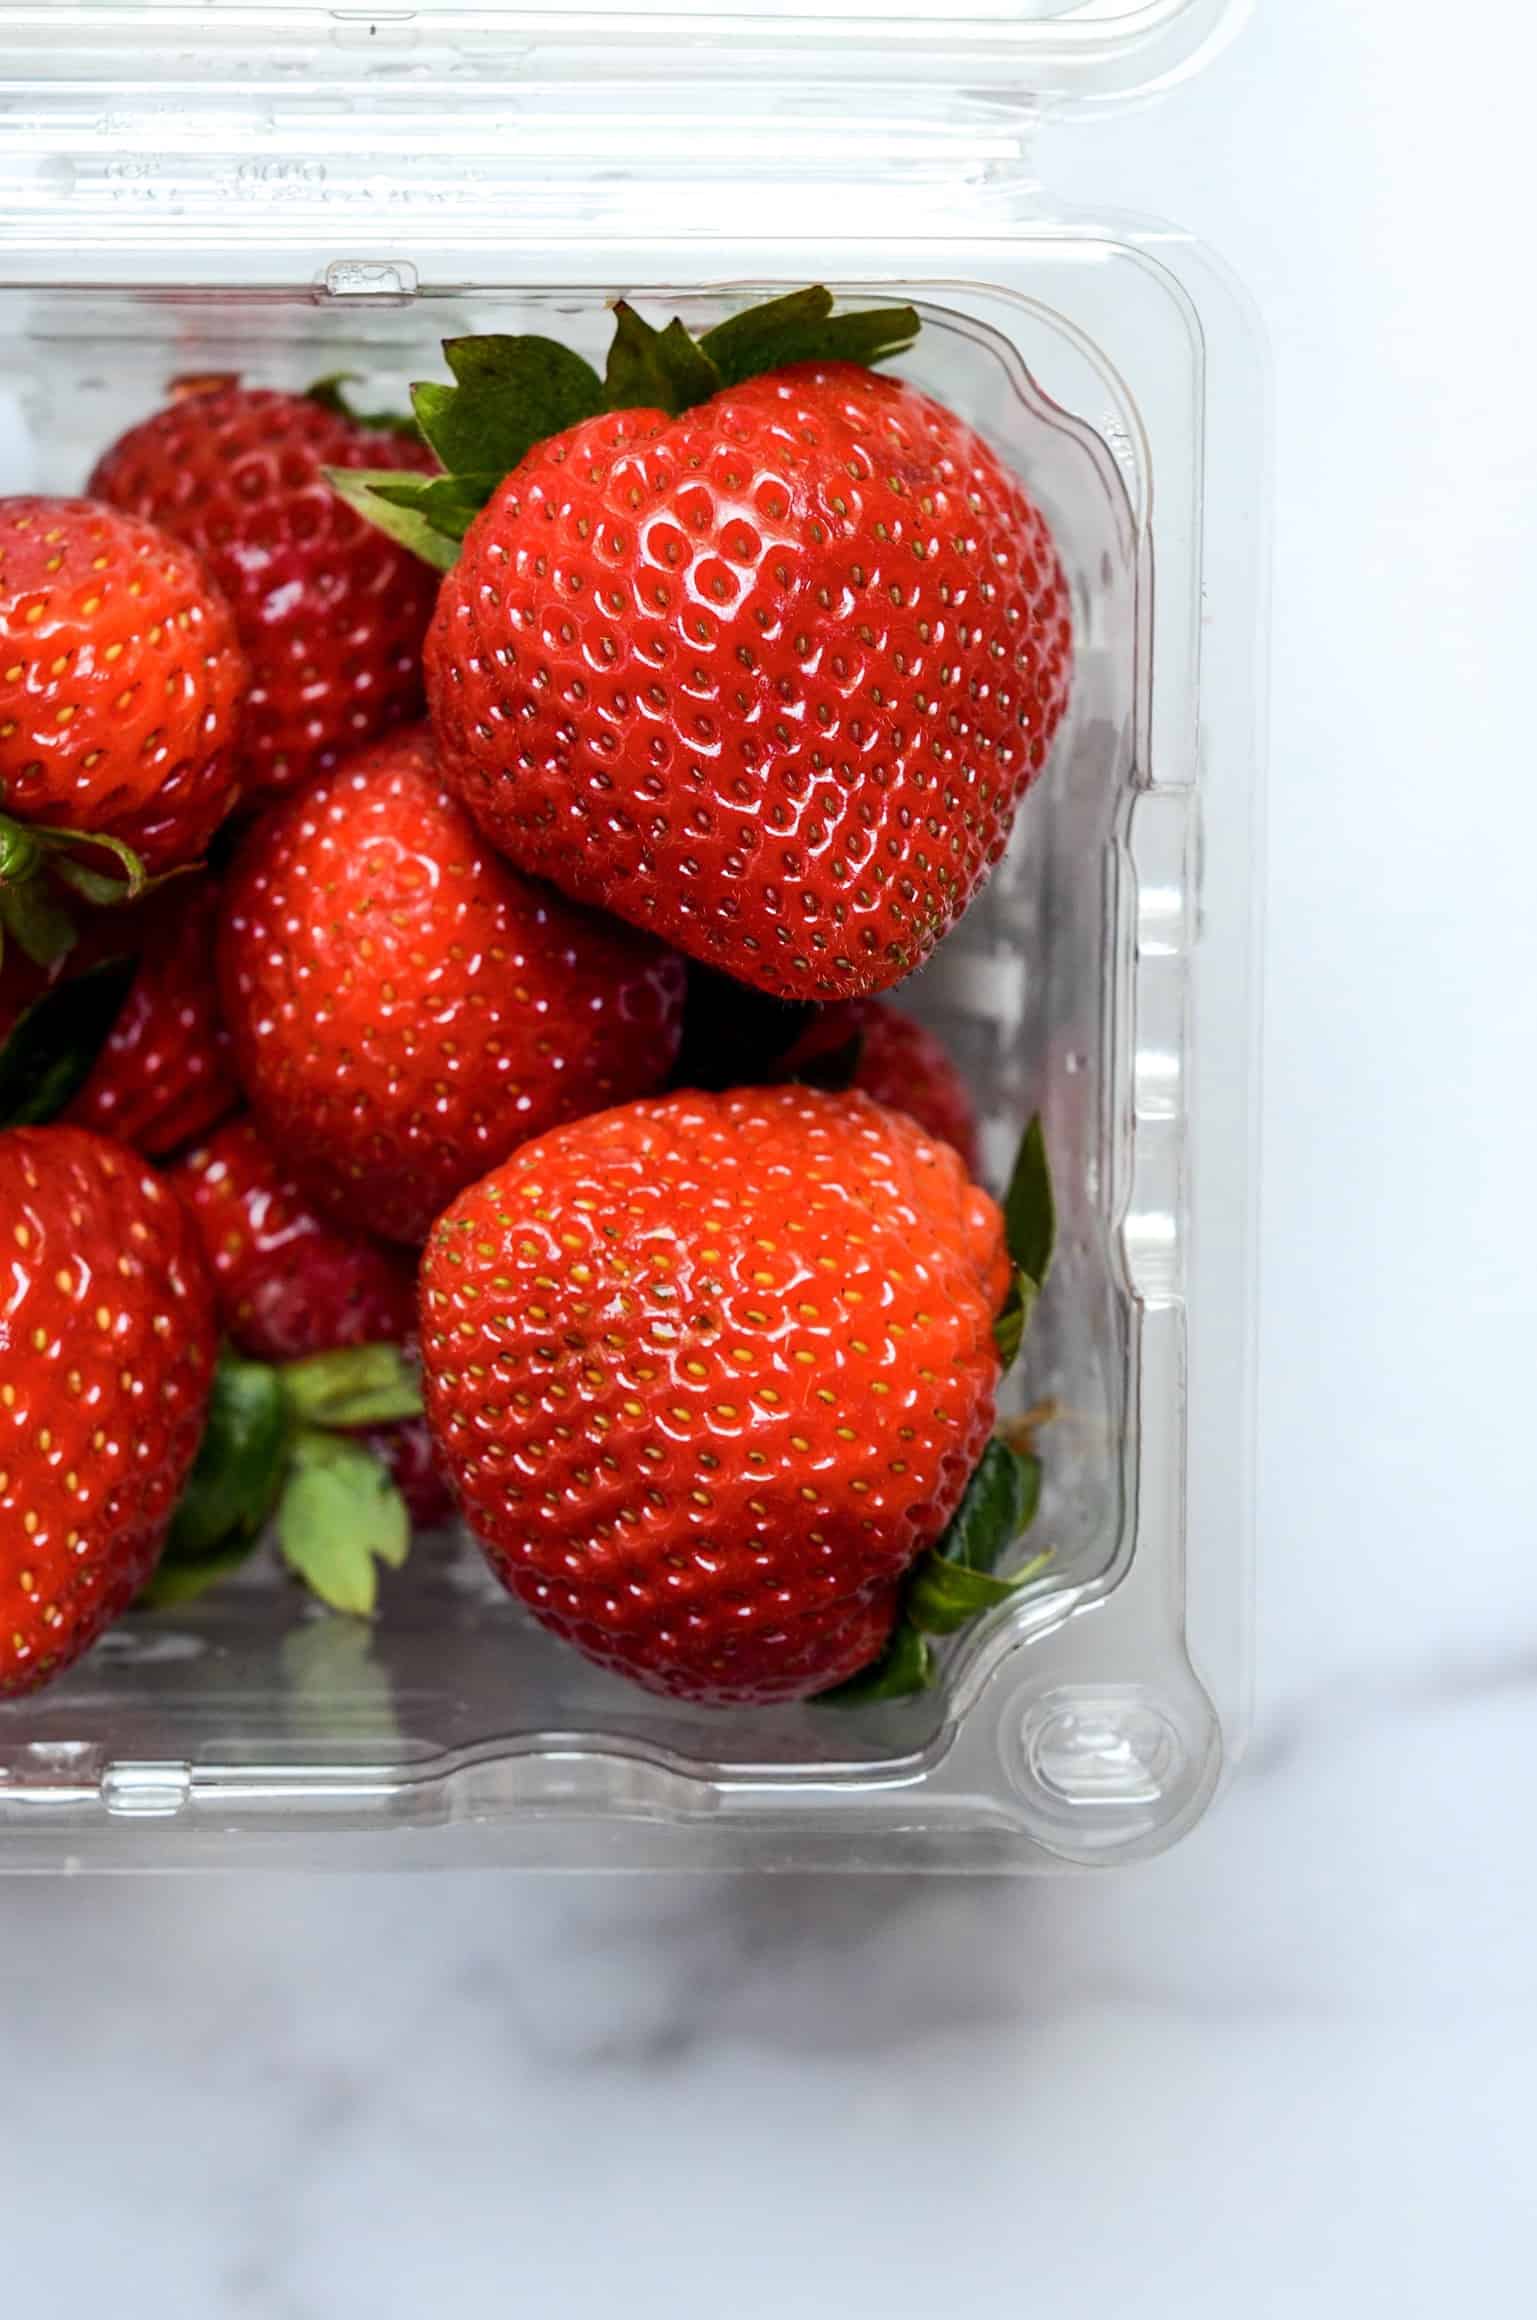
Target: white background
<point x="1288" y="2068"/>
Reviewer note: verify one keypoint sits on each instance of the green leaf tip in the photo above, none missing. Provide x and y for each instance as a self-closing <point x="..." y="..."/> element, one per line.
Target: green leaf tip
<point x="363" y="1385"/>
<point x="1030" y="1232"/>
<point x="339" y="1517"/>
<point x="957" y="1580"/>
<point x="365" y="489"/>
<point x="803" y="327"/>
<point x="239" y="1466"/>
<point x="510" y="393"/>
<point x="656" y="370"/>
<point x="53" y="1047"/>
<point x="904" y="1668"/>
<point x="278" y="1442"/>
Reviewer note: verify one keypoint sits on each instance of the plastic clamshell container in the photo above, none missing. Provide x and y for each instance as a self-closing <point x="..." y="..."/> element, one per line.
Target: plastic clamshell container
<point x="210" y="185"/>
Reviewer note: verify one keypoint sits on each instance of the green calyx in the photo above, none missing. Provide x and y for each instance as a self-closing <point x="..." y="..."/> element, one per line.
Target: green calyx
<point x="958" y="1580"/>
<point x="277" y="1450"/>
<point x="53" y="1047"/>
<point x="510" y="393"/>
<point x="1030" y="1232"/>
<point x="36" y="861"/>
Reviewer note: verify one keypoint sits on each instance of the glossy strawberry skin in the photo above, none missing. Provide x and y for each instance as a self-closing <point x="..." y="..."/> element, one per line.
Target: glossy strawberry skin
<point x="900" y="1063"/>
<point x="330" y="612"/>
<point x="121" y="680"/>
<point x="288" y="1283"/>
<point x="107" y="1353"/>
<point x="771" y="678"/>
<point x="708" y="1372"/>
<point x="406" y="1008"/>
<point x="165" y="1074"/>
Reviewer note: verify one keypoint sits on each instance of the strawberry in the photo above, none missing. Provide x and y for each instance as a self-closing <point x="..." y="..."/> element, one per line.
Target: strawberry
<point x="894" y="1059"/>
<point x="164" y="1074"/>
<point x="711" y="1374"/>
<point x="751" y="646"/>
<point x="331" y="615"/>
<point x="405" y="1008"/>
<point x="120" y="688"/>
<point x="288" y="1284"/>
<point x="106" y="1359"/>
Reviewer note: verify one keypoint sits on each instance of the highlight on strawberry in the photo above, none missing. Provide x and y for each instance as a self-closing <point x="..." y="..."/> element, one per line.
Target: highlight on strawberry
<point x="742" y="640"/>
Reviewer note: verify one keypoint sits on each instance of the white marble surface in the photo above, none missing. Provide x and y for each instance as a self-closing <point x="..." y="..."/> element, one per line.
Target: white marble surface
<point x="1287" y="2068"/>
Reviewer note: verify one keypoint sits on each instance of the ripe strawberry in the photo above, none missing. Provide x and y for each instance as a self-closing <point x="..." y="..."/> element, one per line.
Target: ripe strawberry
<point x="287" y="1283"/>
<point x="710" y="1373"/>
<point x="406" y="1008"/>
<point x="766" y="669"/>
<point x="106" y="1360"/>
<point x="164" y="1074"/>
<point x="120" y="685"/>
<point x="331" y="615"/>
<point x="895" y="1060"/>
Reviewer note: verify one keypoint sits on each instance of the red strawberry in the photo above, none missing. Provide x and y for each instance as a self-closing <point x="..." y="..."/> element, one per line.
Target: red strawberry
<point x="330" y="613"/>
<point x="405" y="1008"/>
<point x="288" y="1284"/>
<point x="895" y="1060"/>
<point x="769" y="678"/>
<point x="106" y="1359"/>
<point x="164" y="1074"/>
<point x="710" y="1373"/>
<point x="120" y="680"/>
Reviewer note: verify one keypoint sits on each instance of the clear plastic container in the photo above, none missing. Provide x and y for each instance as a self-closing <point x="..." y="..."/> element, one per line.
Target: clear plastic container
<point x="283" y="190"/>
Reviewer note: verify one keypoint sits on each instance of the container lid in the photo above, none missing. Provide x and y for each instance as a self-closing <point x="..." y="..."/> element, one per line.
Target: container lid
<point x="1043" y="49"/>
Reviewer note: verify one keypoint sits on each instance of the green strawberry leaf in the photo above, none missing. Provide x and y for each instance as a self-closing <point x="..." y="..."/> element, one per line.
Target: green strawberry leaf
<point x="944" y="1597"/>
<point x="1029" y="1207"/>
<point x="449" y="503"/>
<point x="53" y="1047"/>
<point x="30" y="917"/>
<point x="1030" y="1231"/>
<point x="956" y="1580"/>
<point x="330" y="394"/>
<point x="510" y="393"/>
<point x="405" y="524"/>
<point x="362" y="1385"/>
<point x="339" y="1517"/>
<point x="802" y="327"/>
<point x="656" y="370"/>
<point x="999" y="1502"/>
<point x="906" y="1666"/>
<point x="239" y="1467"/>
